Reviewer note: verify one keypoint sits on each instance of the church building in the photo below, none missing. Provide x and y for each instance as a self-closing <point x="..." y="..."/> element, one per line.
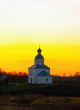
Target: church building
<point x="39" y="73"/>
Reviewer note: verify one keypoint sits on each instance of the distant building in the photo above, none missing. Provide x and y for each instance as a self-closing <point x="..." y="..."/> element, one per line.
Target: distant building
<point x="39" y="73"/>
<point x="2" y="77"/>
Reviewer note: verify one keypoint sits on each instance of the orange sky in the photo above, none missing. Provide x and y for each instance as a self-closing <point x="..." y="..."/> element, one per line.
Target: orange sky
<point x="54" y="24"/>
<point x="60" y="57"/>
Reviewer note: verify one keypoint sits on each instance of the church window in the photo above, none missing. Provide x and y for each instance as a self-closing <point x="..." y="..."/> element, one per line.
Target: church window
<point x="46" y="79"/>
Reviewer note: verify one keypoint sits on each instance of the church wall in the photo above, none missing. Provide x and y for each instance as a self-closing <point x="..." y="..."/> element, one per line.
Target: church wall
<point x="40" y="80"/>
<point x="32" y="78"/>
<point x="43" y="80"/>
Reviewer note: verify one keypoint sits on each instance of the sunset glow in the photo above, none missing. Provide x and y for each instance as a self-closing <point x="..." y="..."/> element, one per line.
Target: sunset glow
<point x="54" y="24"/>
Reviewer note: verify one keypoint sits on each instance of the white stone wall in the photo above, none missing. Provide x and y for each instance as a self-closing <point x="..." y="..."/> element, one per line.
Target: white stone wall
<point x="33" y="79"/>
<point x="43" y="80"/>
<point x="32" y="75"/>
<point x="40" y="80"/>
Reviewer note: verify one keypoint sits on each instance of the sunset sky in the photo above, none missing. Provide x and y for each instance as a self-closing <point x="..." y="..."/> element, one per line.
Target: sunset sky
<point x="54" y="24"/>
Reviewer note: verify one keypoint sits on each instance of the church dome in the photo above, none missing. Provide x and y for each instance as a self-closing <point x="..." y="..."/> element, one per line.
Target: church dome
<point x="39" y="59"/>
<point x="39" y="56"/>
<point x="39" y="50"/>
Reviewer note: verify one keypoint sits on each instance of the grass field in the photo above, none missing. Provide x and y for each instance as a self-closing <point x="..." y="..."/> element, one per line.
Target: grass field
<point x="21" y="96"/>
<point x="38" y="102"/>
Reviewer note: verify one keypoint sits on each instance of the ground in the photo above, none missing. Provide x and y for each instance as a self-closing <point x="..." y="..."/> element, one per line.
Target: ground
<point x="38" y="102"/>
<point x="21" y="96"/>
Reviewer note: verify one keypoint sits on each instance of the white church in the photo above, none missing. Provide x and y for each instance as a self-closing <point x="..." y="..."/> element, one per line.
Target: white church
<point x="39" y="73"/>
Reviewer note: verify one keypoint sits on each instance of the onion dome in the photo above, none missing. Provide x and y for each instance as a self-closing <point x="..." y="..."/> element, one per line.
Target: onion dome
<point x="39" y="59"/>
<point x="39" y="56"/>
<point x="39" y="51"/>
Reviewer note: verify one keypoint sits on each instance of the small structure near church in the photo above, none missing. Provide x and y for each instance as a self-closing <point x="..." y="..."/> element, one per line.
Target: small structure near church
<point x="39" y="73"/>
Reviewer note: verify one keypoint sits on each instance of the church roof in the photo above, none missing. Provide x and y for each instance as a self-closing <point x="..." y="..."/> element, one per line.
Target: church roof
<point x="43" y="73"/>
<point x="39" y="67"/>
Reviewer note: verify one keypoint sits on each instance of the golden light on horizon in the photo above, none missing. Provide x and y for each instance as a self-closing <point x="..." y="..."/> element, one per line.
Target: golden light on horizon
<point x="61" y="58"/>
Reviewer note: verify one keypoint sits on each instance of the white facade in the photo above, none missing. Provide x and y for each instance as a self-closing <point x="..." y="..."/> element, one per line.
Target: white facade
<point x="39" y="73"/>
